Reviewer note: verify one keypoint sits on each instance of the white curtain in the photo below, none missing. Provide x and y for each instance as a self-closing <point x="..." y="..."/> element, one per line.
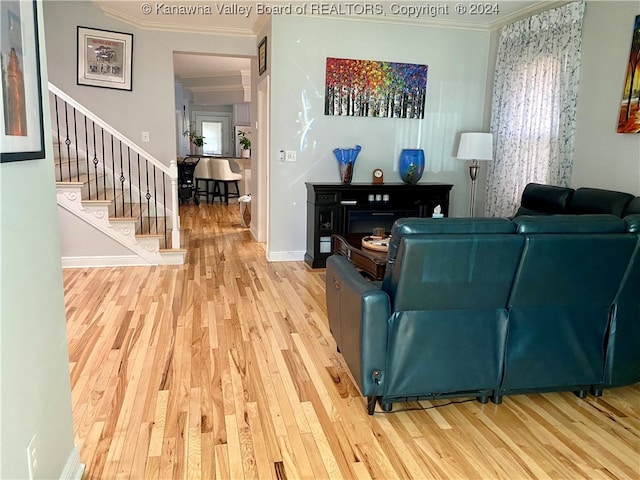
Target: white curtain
<point x="534" y="105"/>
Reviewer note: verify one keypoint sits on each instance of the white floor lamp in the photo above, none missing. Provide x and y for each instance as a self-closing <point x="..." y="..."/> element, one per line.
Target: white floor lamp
<point x="475" y="146"/>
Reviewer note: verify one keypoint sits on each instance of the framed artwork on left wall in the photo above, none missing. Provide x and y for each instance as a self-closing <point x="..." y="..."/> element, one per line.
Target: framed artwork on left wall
<point x="21" y="122"/>
<point x="105" y="58"/>
<point x="262" y="56"/>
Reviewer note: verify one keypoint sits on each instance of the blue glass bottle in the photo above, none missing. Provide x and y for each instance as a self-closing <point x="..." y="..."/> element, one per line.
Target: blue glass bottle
<point x="411" y="165"/>
<point x="346" y="161"/>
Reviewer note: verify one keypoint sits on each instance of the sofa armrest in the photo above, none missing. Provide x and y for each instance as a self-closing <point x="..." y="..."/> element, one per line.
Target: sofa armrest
<point x="632" y="222"/>
<point x="358" y="313"/>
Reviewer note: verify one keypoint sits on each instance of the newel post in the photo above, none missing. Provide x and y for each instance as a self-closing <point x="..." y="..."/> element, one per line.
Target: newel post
<point x="175" y="218"/>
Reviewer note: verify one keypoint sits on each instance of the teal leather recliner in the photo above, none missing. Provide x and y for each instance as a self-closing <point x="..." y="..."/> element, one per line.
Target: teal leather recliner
<point x="437" y="326"/>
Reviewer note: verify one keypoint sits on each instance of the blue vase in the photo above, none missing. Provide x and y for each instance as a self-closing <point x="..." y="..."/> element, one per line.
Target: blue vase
<point x="411" y="165"/>
<point x="346" y="161"/>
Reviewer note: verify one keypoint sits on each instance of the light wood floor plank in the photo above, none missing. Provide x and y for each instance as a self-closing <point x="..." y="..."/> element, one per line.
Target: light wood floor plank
<point x="224" y="368"/>
<point x="261" y="451"/>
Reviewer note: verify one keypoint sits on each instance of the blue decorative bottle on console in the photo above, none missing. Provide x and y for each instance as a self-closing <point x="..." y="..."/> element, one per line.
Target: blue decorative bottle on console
<point x="411" y="165"/>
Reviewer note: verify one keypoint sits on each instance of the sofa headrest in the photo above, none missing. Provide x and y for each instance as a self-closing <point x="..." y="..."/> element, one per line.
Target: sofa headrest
<point x="570" y="224"/>
<point x="633" y="222"/>
<point x="413" y="226"/>
<point x="546" y="199"/>
<point x="632" y="207"/>
<point x="595" y="200"/>
<point x="417" y="226"/>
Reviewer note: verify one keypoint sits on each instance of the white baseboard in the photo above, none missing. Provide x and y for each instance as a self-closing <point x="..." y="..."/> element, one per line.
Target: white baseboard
<point x="135" y="261"/>
<point x="108" y="261"/>
<point x="253" y="229"/>
<point x="73" y="469"/>
<point x="285" y="256"/>
<point x="170" y="257"/>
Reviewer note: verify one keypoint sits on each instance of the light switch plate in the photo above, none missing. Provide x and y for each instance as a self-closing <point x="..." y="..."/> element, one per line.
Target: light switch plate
<point x="145" y="137"/>
<point x="290" y="156"/>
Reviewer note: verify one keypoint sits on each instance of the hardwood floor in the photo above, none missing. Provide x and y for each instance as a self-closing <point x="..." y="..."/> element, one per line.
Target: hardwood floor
<point x="225" y="368"/>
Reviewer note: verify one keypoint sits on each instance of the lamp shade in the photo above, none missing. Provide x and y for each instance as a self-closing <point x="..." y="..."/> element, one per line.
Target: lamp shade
<point x="475" y="146"/>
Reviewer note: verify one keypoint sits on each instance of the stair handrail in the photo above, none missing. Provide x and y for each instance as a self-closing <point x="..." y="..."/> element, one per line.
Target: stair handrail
<point x="171" y="171"/>
<point x="90" y="115"/>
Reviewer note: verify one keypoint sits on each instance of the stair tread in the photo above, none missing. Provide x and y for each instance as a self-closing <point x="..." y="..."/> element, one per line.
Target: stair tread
<point x="80" y="177"/>
<point x="149" y="235"/>
<point x="97" y="202"/>
<point x="69" y="183"/>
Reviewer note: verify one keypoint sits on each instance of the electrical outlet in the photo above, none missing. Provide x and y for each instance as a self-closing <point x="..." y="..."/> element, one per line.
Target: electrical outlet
<point x="32" y="457"/>
<point x="145" y="137"/>
<point x="290" y="155"/>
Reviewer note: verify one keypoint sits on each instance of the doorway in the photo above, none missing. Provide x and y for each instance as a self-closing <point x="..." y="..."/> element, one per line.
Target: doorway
<point x="213" y="96"/>
<point x="212" y="92"/>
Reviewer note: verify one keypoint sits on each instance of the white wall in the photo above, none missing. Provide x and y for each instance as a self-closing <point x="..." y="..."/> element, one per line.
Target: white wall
<point x="604" y="158"/>
<point x="457" y="61"/>
<point x="150" y="106"/>
<point x="34" y="365"/>
<point x="81" y="239"/>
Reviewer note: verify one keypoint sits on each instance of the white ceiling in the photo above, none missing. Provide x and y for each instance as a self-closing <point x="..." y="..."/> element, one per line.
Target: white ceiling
<point x="214" y="79"/>
<point x="194" y="65"/>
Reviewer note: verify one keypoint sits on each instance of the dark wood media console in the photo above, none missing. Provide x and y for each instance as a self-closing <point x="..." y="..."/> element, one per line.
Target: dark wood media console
<point x="359" y="207"/>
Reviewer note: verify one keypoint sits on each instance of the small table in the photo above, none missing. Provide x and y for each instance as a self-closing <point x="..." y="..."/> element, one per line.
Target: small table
<point x="370" y="262"/>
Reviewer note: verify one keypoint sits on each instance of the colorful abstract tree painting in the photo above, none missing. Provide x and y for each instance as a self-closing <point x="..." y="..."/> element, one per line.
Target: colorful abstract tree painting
<point x="629" y="117"/>
<point x="367" y="88"/>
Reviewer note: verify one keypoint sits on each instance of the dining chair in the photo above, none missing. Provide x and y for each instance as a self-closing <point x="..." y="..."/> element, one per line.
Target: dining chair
<point x="202" y="174"/>
<point x="222" y="175"/>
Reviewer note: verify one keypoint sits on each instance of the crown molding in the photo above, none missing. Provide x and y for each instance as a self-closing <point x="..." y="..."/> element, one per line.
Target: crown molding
<point x="447" y="22"/>
<point x="225" y="74"/>
<point x="217" y="88"/>
<point x="176" y="28"/>
<point x="527" y="12"/>
<point x="261" y="21"/>
<point x="261" y="24"/>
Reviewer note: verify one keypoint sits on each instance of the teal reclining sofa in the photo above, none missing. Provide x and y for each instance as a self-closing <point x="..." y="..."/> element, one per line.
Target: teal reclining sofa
<point x="486" y="307"/>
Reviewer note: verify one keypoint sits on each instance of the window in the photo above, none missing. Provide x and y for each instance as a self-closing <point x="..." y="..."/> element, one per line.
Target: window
<point x="534" y="105"/>
<point x="212" y="133"/>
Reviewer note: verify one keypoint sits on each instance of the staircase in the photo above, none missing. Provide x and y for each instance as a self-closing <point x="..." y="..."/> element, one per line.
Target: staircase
<point x="118" y="205"/>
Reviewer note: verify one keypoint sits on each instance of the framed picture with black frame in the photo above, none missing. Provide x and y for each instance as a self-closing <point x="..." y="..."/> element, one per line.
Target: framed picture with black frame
<point x="105" y="58"/>
<point x="21" y="117"/>
<point x="262" y="56"/>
